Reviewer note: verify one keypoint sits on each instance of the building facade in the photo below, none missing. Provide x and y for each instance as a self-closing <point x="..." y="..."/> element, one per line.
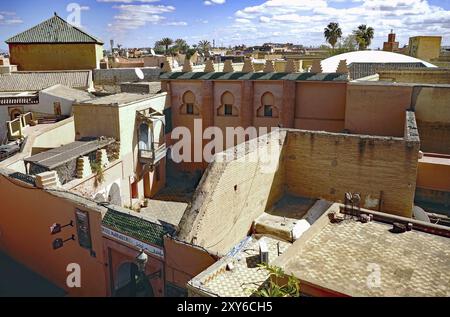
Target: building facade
<point x="55" y="45"/>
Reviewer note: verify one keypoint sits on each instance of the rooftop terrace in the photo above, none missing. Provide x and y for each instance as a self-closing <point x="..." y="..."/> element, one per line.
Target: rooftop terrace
<point x="341" y="256"/>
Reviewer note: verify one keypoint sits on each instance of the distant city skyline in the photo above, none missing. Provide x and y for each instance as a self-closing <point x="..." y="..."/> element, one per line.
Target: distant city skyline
<point x="140" y="23"/>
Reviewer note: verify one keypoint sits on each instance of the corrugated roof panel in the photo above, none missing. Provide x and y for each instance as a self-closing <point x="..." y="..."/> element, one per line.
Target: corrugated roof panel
<point x="34" y="81"/>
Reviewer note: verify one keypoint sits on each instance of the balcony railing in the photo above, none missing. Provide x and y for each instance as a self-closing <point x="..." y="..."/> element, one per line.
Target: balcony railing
<point x="152" y="156"/>
<point x="19" y="100"/>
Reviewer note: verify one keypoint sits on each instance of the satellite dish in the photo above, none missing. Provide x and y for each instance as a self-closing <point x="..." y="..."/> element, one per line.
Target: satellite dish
<point x="420" y="214"/>
<point x="139" y="73"/>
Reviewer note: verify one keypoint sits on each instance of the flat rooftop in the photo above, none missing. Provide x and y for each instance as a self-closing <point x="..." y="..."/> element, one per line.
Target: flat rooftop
<point x="59" y="156"/>
<point x="341" y="257"/>
<point x="169" y="212"/>
<point x="118" y="100"/>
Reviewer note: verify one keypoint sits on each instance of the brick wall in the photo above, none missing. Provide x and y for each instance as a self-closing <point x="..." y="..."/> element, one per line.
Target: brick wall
<point x="231" y="195"/>
<point x="328" y="165"/>
<point x="432" y="108"/>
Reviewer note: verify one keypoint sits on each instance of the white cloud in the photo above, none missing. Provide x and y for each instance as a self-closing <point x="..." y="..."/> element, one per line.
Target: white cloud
<point x="303" y="21"/>
<point x="133" y="16"/>
<point x="128" y="1"/>
<point x="213" y="2"/>
<point x="9" y="18"/>
<point x="179" y="23"/>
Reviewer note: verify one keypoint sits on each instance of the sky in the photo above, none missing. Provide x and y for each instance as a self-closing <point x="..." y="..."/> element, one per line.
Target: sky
<point x="140" y="23"/>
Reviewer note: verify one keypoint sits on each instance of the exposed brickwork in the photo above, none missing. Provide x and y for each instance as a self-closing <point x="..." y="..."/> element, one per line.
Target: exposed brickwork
<point x="230" y="197"/>
<point x="327" y="165"/>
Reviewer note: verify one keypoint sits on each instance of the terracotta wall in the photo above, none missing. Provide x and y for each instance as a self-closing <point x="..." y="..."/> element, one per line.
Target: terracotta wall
<point x="376" y="109"/>
<point x="118" y="254"/>
<point x="300" y="105"/>
<point x="183" y="262"/>
<point x="325" y="165"/>
<point x="26" y="215"/>
<point x="320" y="106"/>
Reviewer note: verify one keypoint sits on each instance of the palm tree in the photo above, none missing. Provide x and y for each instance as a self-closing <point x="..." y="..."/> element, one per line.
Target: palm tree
<point x="332" y="33"/>
<point x="181" y="46"/>
<point x="364" y="36"/>
<point x="166" y="42"/>
<point x="204" y="45"/>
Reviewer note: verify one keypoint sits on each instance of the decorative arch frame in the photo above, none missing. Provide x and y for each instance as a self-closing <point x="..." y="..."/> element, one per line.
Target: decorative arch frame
<point x="189" y="100"/>
<point x="268" y="100"/>
<point x="227" y="99"/>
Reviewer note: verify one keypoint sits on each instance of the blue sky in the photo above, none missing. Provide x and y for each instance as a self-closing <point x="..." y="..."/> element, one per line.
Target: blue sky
<point x="137" y="23"/>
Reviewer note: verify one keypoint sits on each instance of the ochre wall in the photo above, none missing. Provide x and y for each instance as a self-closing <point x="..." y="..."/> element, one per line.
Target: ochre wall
<point x="325" y="165"/>
<point x="26" y="215"/>
<point x="432" y="107"/>
<point x="434" y="173"/>
<point x="32" y="57"/>
<point x="87" y="123"/>
<point x="422" y="76"/>
<point x="425" y="47"/>
<point x="375" y="109"/>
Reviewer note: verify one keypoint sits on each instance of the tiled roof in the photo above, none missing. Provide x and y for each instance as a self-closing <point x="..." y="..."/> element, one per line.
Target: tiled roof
<point x="246" y="276"/>
<point x="34" y="81"/>
<point x="342" y="256"/>
<point x="254" y="76"/>
<point x="136" y="227"/>
<point x="52" y="31"/>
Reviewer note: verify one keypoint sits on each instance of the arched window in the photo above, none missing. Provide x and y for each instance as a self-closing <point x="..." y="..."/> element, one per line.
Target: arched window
<point x="268" y="108"/>
<point x="144" y="138"/>
<point x="189" y="104"/>
<point x="227" y="107"/>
